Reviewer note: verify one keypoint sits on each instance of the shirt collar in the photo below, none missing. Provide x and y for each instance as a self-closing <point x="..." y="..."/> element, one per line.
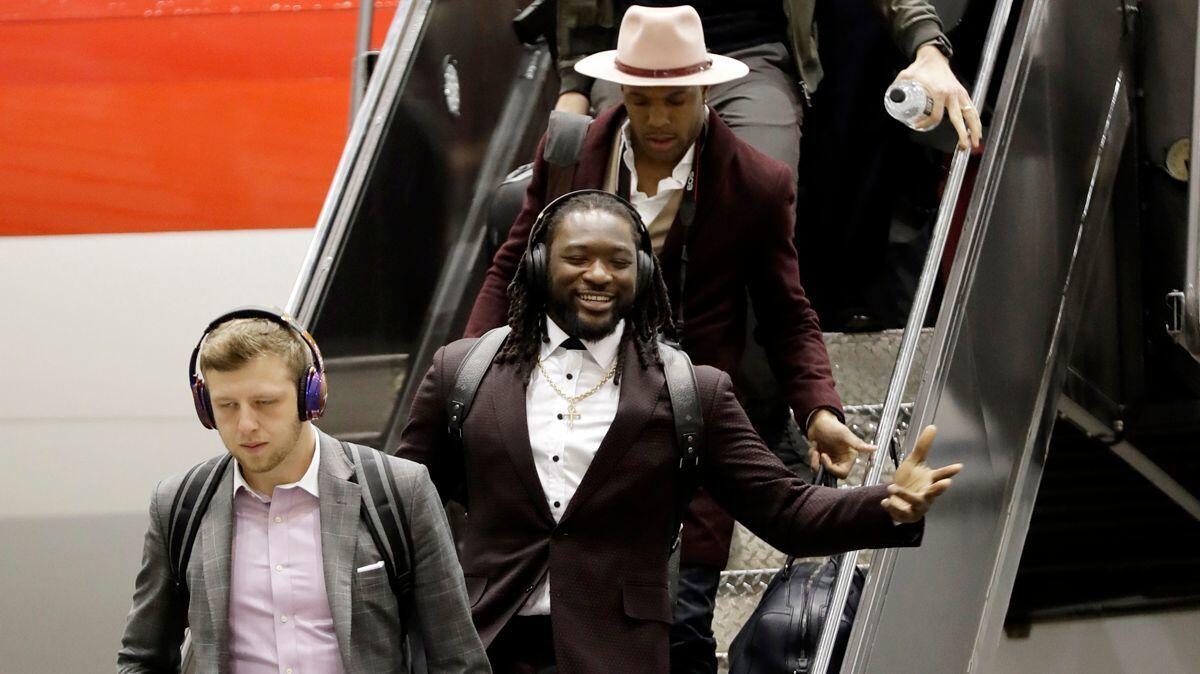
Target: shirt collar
<point x="679" y="174"/>
<point x="308" y="482"/>
<point x="603" y="351"/>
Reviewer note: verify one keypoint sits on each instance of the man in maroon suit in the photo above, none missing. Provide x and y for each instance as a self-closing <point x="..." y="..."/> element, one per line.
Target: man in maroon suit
<point x="721" y="216"/>
<point x="570" y="461"/>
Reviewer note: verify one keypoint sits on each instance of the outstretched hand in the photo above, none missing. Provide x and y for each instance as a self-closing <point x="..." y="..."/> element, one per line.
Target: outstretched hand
<point x="916" y="486"/>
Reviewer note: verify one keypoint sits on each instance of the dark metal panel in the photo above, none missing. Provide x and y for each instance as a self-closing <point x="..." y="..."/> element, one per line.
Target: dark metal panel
<point x="1014" y="299"/>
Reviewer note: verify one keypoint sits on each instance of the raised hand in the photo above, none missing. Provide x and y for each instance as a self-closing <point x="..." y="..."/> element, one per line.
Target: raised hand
<point x="916" y="486"/>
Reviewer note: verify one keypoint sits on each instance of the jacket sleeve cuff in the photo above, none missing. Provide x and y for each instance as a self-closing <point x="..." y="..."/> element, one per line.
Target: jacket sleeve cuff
<point x="924" y="33"/>
<point x="570" y="80"/>
<point x="894" y="535"/>
<point x="808" y="419"/>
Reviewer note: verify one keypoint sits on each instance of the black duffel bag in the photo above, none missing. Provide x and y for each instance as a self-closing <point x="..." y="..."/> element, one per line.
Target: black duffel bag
<point x="782" y="634"/>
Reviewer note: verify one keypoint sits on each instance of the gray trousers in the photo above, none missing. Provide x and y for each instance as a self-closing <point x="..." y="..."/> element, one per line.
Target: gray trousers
<point x="763" y="108"/>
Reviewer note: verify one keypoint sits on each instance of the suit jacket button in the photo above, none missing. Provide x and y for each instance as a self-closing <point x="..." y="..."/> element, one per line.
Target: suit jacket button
<point x="529" y="589"/>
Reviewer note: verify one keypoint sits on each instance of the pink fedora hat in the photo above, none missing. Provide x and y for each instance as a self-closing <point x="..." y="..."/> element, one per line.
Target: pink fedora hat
<point x="661" y="47"/>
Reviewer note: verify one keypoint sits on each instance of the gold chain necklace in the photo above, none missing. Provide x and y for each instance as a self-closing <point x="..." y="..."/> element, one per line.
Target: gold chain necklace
<point x="572" y="415"/>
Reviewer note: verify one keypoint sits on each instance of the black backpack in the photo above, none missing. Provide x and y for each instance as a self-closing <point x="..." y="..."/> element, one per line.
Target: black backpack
<point x="782" y="634"/>
<point x="681" y="387"/>
<point x="382" y="511"/>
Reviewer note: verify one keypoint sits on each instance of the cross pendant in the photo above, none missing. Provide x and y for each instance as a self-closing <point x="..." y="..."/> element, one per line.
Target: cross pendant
<point x="572" y="415"/>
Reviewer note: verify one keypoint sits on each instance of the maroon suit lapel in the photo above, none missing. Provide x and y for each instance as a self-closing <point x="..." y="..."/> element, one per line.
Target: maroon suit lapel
<point x="641" y="392"/>
<point x="508" y="404"/>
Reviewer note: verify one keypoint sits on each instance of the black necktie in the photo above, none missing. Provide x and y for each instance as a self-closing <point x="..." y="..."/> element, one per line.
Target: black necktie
<point x="573" y="343"/>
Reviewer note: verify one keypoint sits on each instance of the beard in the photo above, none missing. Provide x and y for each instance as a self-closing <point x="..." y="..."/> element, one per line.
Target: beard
<point x="569" y="320"/>
<point x="280" y="449"/>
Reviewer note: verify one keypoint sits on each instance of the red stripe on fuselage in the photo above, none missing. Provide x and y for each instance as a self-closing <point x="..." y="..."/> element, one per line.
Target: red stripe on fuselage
<point x="114" y="122"/>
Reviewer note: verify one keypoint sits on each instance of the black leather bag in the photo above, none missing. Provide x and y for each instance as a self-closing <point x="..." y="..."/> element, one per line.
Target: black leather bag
<point x="782" y="634"/>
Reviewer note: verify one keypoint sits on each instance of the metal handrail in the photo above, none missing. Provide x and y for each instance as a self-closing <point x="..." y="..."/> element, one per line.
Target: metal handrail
<point x="362" y="45"/>
<point x="912" y="330"/>
<point x="1190" y="333"/>
<point x="453" y="283"/>
<point x="365" y="134"/>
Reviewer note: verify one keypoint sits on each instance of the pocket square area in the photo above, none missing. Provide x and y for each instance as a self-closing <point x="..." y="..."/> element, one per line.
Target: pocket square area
<point x="370" y="567"/>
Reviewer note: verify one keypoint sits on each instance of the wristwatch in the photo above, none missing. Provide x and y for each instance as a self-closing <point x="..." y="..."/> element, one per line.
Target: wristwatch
<point x="943" y="45"/>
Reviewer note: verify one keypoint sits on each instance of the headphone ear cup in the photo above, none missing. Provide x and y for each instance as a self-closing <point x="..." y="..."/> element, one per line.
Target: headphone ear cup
<point x="535" y="268"/>
<point x="312" y="395"/>
<point x="645" y="272"/>
<point x="203" y="404"/>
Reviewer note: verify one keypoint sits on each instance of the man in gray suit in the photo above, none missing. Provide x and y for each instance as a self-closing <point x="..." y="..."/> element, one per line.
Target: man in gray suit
<point x="284" y="575"/>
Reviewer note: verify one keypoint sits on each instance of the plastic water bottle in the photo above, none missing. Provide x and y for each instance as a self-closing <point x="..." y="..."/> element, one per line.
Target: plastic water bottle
<point x="908" y="102"/>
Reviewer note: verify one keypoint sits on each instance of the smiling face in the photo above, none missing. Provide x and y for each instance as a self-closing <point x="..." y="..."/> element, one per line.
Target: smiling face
<point x="665" y="121"/>
<point x="593" y="272"/>
<point x="255" y="410"/>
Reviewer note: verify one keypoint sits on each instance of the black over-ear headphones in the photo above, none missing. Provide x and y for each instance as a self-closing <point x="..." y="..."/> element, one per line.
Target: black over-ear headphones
<point x="537" y="254"/>
<point x="311" y="389"/>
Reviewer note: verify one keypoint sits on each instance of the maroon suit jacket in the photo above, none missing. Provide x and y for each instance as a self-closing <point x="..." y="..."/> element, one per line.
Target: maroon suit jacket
<point x="740" y="239"/>
<point x="607" y="557"/>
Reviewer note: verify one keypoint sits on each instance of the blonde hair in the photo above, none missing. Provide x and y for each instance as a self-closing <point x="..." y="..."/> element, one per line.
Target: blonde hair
<point x="233" y="344"/>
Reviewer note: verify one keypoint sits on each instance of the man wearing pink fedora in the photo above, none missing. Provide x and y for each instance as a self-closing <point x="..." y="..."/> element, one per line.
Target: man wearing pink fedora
<point x="777" y="39"/>
<point x="721" y="217"/>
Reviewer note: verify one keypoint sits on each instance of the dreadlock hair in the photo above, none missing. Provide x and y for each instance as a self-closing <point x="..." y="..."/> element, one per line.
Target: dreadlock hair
<point x="649" y="314"/>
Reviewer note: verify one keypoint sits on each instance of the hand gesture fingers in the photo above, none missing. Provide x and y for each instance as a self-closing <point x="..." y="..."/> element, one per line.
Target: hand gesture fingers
<point x="836" y="445"/>
<point x="924" y="442"/>
<point x="960" y="126"/>
<point x="841" y="469"/>
<point x="971" y="115"/>
<point x="945" y="472"/>
<point x="917" y="485"/>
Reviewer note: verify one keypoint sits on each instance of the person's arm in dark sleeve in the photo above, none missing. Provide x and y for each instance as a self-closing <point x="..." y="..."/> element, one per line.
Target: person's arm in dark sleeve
<point x="913" y="23"/>
<point x="788" y="327"/>
<point x="583" y="27"/>
<point x="452" y="646"/>
<point x="154" y="627"/>
<point x="801" y="519"/>
<point x="426" y="439"/>
<point x="491" y="305"/>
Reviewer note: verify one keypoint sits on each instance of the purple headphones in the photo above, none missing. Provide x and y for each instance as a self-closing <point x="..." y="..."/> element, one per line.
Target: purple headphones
<point x="312" y="389"/>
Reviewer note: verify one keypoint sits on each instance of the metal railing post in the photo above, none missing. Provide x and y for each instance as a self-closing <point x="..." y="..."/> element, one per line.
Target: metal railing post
<point x="912" y="331"/>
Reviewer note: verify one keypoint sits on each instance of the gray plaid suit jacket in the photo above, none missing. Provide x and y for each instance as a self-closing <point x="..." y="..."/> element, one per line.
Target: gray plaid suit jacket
<point x="366" y="617"/>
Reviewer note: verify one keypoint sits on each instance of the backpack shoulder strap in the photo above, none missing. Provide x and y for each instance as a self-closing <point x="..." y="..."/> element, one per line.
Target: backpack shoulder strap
<point x="564" y="141"/>
<point x="385" y="517"/>
<point x="689" y="427"/>
<point x="469" y="375"/>
<point x="187" y="511"/>
<point x="685" y="401"/>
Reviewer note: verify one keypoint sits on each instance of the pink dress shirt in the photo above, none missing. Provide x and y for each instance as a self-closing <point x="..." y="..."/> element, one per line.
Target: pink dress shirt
<point x="279" y="615"/>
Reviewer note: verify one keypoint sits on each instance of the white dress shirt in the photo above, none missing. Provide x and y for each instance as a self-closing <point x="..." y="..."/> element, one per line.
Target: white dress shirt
<point x="562" y="449"/>
<point x="650" y="207"/>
